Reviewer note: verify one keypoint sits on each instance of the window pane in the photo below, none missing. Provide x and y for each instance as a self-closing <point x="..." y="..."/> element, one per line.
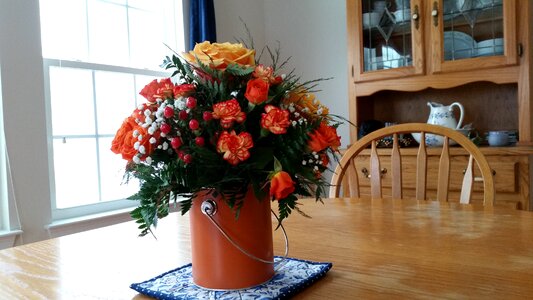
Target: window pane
<point x="147" y="40"/>
<point x="71" y="92"/>
<point x="108" y="33"/>
<point x="174" y="26"/>
<point x="111" y="174"/>
<point x="115" y="100"/>
<point x="122" y="2"/>
<point x="64" y="35"/>
<point x="146" y="5"/>
<point x="76" y="173"/>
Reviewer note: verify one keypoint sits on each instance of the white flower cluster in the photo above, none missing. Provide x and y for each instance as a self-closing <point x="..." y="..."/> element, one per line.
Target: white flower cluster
<point x="314" y="161"/>
<point x="297" y="118"/>
<point x="152" y="123"/>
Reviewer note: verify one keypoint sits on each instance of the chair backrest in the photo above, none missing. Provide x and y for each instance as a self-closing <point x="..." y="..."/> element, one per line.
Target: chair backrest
<point x="345" y="177"/>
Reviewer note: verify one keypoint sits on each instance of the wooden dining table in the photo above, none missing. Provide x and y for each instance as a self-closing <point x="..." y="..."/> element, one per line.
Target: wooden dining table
<point x="390" y="249"/>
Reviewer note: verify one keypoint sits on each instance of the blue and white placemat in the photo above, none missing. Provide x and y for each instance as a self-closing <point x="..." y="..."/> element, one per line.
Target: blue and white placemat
<point x="292" y="277"/>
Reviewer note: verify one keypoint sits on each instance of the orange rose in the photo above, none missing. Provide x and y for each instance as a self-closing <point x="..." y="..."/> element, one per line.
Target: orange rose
<point x="124" y="130"/>
<point x="281" y="185"/>
<point x="324" y="136"/>
<point x="276" y="120"/>
<point x="127" y="136"/>
<point x="235" y="147"/>
<point x="257" y="91"/>
<point x="220" y="55"/>
<point x="228" y="112"/>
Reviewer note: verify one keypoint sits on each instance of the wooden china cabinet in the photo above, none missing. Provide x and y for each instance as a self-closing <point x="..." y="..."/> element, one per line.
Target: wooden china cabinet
<point x="403" y="54"/>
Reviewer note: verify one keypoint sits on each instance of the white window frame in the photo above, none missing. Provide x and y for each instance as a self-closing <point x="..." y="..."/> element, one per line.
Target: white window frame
<point x="59" y="215"/>
<point x="9" y="223"/>
<point x="23" y="92"/>
<point x="82" y="213"/>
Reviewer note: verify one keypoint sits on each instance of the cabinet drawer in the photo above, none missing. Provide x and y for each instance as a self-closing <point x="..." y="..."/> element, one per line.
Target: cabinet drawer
<point x="505" y="172"/>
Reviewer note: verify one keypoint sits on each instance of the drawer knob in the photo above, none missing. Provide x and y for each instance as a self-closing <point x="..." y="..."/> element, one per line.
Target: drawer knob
<point x="366" y="173"/>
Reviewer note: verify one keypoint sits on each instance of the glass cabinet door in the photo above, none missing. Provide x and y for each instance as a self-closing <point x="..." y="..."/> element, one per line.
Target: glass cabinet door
<point x="473" y="34"/>
<point x="386" y="34"/>
<point x="472" y="28"/>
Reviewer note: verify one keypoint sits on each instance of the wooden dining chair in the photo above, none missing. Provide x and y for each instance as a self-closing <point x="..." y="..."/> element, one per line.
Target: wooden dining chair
<point x="345" y="179"/>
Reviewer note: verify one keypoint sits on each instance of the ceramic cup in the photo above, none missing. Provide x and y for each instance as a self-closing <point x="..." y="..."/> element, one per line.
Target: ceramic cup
<point x="498" y="138"/>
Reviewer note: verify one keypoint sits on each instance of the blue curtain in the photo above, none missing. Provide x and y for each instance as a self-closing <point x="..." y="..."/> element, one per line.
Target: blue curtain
<point x="202" y="22"/>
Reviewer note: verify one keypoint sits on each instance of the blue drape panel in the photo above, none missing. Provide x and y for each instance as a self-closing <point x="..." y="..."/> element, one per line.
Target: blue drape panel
<point x="201" y="22"/>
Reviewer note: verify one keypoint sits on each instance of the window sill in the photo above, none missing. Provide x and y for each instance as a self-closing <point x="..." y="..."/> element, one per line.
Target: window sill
<point x="74" y="225"/>
<point x="7" y="238"/>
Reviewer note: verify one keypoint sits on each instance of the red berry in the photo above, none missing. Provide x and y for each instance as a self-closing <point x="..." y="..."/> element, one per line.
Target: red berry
<point x="176" y="142"/>
<point x="165" y="128"/>
<point x="183" y="115"/>
<point x="191" y="102"/>
<point x="193" y="124"/>
<point x="199" y="141"/>
<point x="168" y="112"/>
<point x="187" y="158"/>
<point x="208" y="116"/>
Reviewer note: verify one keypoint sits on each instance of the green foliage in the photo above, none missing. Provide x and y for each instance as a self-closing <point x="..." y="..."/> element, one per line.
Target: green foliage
<point x="237" y="70"/>
<point x="285" y="207"/>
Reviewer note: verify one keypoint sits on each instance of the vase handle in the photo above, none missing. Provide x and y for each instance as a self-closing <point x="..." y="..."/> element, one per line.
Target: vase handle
<point x="209" y="208"/>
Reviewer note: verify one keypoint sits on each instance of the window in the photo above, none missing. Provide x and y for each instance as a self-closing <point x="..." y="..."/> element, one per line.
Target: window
<point x="97" y="57"/>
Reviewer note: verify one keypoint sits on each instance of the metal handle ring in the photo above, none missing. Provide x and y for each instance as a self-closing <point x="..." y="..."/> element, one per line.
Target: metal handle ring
<point x="209" y="208"/>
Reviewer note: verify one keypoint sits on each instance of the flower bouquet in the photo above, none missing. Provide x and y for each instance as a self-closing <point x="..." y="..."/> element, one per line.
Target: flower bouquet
<point x="225" y="124"/>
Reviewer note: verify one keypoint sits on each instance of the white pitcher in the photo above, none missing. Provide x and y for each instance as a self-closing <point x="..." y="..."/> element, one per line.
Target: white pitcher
<point x="443" y="115"/>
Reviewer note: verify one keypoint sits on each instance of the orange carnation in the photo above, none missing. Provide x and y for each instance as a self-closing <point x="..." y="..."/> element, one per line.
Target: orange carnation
<point x="228" y="112"/>
<point x="155" y="90"/>
<point x="257" y="91"/>
<point x="264" y="73"/>
<point x="276" y="120"/>
<point x="324" y="136"/>
<point x="235" y="147"/>
<point x="281" y="185"/>
<point x="183" y="90"/>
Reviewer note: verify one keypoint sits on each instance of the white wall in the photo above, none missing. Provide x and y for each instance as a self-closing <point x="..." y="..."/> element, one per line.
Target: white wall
<point x="311" y="32"/>
<point x="228" y="15"/>
<point x="23" y="104"/>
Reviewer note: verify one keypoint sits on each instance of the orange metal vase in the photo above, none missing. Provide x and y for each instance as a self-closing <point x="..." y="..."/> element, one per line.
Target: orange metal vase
<point x="216" y="262"/>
